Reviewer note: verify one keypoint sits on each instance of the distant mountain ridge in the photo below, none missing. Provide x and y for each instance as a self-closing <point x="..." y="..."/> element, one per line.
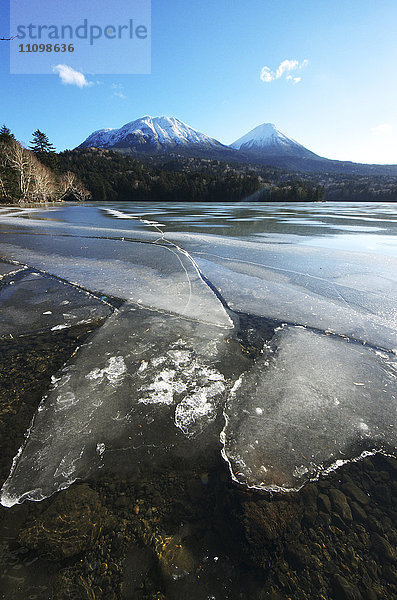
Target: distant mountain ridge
<point x="152" y="135"/>
<point x="264" y="145"/>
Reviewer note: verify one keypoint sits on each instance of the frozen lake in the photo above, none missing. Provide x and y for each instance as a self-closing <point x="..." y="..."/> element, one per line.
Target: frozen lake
<point x="267" y="332"/>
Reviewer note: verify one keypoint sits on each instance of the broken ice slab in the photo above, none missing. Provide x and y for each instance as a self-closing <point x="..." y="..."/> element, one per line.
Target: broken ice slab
<point x="33" y="302"/>
<point x="310" y="403"/>
<point x="355" y="296"/>
<point x="157" y="276"/>
<point x="145" y="383"/>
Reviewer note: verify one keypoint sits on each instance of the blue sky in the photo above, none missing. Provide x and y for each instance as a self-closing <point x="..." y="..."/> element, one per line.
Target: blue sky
<point x="336" y="91"/>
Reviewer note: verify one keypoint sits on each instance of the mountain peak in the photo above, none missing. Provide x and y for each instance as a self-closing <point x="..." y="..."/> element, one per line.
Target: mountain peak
<point x="149" y="134"/>
<point x="267" y="139"/>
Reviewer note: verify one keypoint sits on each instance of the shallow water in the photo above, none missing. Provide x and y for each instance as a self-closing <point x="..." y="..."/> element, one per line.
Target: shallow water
<point x="329" y="268"/>
<point x="262" y="333"/>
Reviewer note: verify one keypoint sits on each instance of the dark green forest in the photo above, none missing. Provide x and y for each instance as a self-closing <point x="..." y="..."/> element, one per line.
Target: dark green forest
<point x="112" y="176"/>
<point x="109" y="175"/>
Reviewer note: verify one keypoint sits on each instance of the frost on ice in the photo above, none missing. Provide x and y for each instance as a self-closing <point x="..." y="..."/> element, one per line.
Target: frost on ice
<point x="145" y="381"/>
<point x="310" y="402"/>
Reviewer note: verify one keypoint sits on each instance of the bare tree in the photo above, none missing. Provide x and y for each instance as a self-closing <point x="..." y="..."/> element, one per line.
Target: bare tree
<point x="70" y="185"/>
<point x="3" y="193"/>
<point x="44" y="186"/>
<point x="36" y="182"/>
<point x="22" y="161"/>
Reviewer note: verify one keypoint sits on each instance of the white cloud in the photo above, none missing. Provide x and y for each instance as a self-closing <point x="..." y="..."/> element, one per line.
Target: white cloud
<point x="284" y="69"/>
<point x="120" y="95"/>
<point x="71" y="77"/>
<point x="382" y="129"/>
<point x="286" y="66"/>
<point x="266" y="75"/>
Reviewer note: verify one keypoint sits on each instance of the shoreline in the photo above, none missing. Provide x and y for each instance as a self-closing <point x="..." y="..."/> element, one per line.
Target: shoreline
<point x="319" y="542"/>
<point x="186" y="531"/>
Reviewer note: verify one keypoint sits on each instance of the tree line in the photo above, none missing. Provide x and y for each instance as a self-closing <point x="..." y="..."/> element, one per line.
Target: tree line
<point x="293" y="190"/>
<point x="111" y="175"/>
<point x="39" y="174"/>
<point x="114" y="176"/>
<point x="32" y="174"/>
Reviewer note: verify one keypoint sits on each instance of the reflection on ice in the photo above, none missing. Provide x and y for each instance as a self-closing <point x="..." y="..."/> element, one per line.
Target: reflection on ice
<point x="157" y="276"/>
<point x="310" y="402"/>
<point x="350" y="295"/>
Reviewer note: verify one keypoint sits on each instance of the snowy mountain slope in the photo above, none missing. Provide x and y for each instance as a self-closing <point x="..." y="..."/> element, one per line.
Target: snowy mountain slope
<point x="263" y="145"/>
<point x="266" y="139"/>
<point x="153" y="134"/>
<point x="268" y="146"/>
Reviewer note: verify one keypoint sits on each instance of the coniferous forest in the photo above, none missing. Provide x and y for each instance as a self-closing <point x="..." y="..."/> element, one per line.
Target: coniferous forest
<point x="110" y="175"/>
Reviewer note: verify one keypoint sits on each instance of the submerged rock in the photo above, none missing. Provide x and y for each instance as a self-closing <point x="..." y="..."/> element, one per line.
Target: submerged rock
<point x="34" y="302"/>
<point x="340" y="504"/>
<point x="266" y="521"/>
<point x="345" y="590"/>
<point x="69" y="526"/>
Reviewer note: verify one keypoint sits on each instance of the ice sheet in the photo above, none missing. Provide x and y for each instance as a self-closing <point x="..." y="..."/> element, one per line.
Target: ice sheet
<point x="145" y="381"/>
<point x="149" y="381"/>
<point x="311" y="402"/>
<point x="156" y="276"/>
<point x="33" y="302"/>
<point x="350" y="292"/>
<point x="370" y="316"/>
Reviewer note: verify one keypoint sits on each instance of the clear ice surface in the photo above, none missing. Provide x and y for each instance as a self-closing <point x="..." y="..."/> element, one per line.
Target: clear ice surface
<point x="309" y="403"/>
<point x="352" y="294"/>
<point x="152" y="275"/>
<point x="349" y="292"/>
<point x="34" y="303"/>
<point x="149" y="381"/>
<point x="145" y="382"/>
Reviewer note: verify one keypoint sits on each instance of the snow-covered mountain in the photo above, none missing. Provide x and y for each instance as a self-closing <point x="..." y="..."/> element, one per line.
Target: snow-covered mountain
<point x="264" y="145"/>
<point x="152" y="135"/>
<point x="266" y="140"/>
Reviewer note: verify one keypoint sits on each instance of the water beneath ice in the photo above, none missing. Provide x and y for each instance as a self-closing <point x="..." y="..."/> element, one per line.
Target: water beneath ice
<point x="32" y="302"/>
<point x="172" y="372"/>
<point x="310" y="403"/>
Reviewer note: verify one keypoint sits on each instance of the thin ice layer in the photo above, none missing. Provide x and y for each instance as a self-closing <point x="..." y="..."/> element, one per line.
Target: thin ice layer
<point x="33" y="302"/>
<point x="311" y="402"/>
<point x="153" y="275"/>
<point x="349" y="294"/>
<point x="145" y="381"/>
